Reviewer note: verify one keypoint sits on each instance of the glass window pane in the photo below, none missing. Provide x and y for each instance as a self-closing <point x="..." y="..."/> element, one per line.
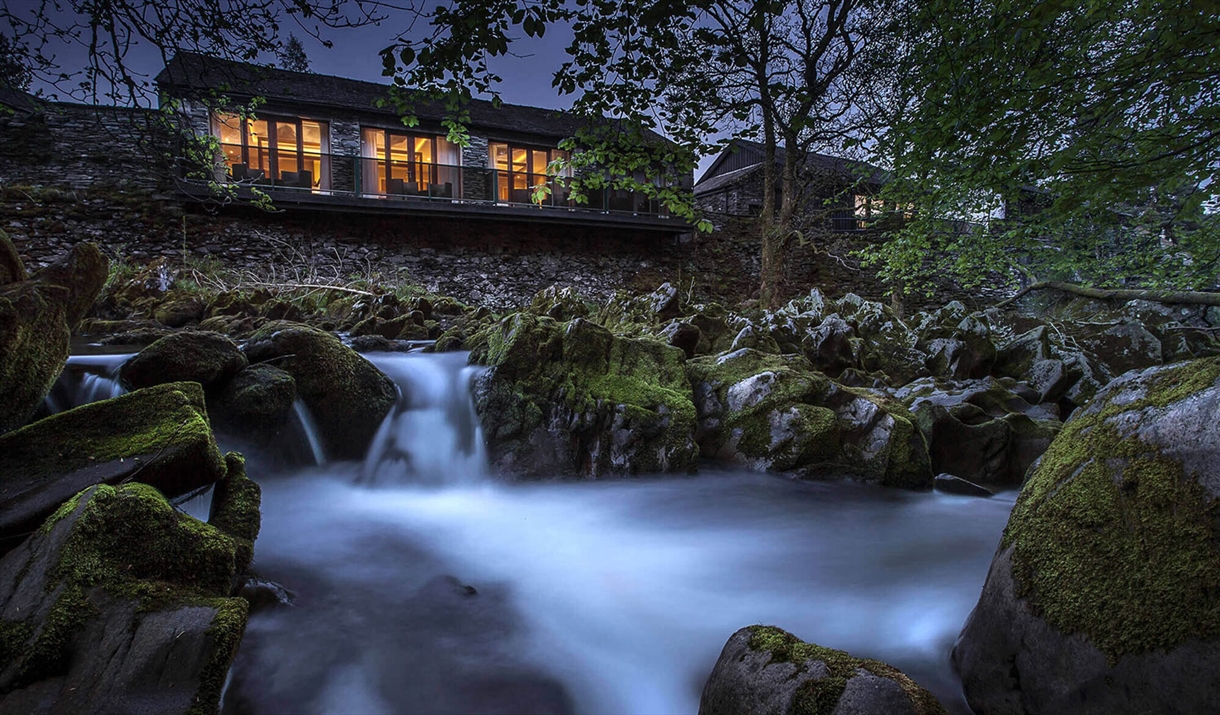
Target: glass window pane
<point x="520" y="156"/>
<point x="256" y="135"/>
<point x="539" y="161"/>
<point x="311" y="137"/>
<point x="286" y="136"/>
<point x="499" y="156"/>
<point x="400" y="156"/>
<point x="423" y="149"/>
<point x="229" y="128"/>
<point x="447" y="152"/>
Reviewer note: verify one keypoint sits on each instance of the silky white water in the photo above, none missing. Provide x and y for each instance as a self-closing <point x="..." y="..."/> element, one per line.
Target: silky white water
<point x="594" y="597"/>
<point x="425" y="585"/>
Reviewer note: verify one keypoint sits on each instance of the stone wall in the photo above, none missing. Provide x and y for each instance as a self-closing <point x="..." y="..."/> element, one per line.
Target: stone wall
<point x="489" y="262"/>
<point x="80" y="146"/>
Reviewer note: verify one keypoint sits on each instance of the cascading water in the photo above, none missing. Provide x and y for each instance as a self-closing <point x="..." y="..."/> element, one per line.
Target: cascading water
<point x="432" y="436"/>
<point x="86" y="379"/>
<point x="444" y="591"/>
<point x="303" y="423"/>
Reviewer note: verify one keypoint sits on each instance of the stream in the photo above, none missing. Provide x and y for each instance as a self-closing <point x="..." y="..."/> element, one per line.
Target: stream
<point x="423" y="584"/>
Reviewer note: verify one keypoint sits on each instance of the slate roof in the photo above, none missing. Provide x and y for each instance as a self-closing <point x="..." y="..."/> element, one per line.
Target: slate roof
<point x="191" y="72"/>
<point x="822" y="162"/>
<point x="728" y="178"/>
<point x="19" y="101"/>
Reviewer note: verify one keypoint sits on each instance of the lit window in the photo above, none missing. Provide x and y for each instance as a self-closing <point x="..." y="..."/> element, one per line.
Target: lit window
<point x="280" y="151"/>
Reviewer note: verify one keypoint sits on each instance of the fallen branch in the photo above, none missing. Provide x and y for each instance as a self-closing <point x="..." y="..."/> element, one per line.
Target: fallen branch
<point x="312" y="287"/>
<point x="1187" y="297"/>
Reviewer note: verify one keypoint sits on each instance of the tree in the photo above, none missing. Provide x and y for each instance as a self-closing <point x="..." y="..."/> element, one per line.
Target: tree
<point x="292" y="55"/>
<point x="1057" y="140"/>
<point x="14" y="65"/>
<point x="787" y="72"/>
<point x="108" y="33"/>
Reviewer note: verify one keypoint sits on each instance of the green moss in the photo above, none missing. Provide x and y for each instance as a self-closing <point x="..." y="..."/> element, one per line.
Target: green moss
<point x="132" y="544"/>
<point x="143" y="424"/>
<point x="34" y="339"/>
<point x="819" y="697"/>
<point x="48" y="653"/>
<point x="14" y="635"/>
<point x="580" y="375"/>
<point x="1112" y="539"/>
<point x="235" y="508"/>
<point x="226" y="632"/>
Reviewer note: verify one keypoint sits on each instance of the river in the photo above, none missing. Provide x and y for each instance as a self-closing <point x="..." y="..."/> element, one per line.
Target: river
<point x="424" y="584"/>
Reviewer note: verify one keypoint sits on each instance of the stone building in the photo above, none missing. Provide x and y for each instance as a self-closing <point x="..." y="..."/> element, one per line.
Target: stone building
<point x="330" y="142"/>
<point x="837" y="194"/>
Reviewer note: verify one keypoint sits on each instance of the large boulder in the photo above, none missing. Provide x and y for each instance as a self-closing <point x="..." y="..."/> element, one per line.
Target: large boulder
<point x="258" y="400"/>
<point x="767" y="671"/>
<point x="83" y="272"/>
<point x="119" y="604"/>
<point x="983" y="430"/>
<point x="1104" y="595"/>
<point x="12" y="270"/>
<point x="158" y="435"/>
<point x="573" y="399"/>
<point x="36" y="319"/>
<point x="34" y="344"/>
<point x="210" y="359"/>
<point x="775" y="412"/>
<point x="347" y="395"/>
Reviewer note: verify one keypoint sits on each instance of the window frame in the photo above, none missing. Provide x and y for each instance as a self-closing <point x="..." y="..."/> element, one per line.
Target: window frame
<point x="273" y="149"/>
<point x="505" y="187"/>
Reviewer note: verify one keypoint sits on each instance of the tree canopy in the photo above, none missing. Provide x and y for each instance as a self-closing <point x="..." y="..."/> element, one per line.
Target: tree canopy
<point x="292" y="55"/>
<point x="790" y="73"/>
<point x="86" y="49"/>
<point x="1092" y="129"/>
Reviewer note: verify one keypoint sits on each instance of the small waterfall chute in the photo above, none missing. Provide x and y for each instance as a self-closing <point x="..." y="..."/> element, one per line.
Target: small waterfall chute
<point x="87" y="379"/>
<point x="303" y="423"/>
<point x="432" y="435"/>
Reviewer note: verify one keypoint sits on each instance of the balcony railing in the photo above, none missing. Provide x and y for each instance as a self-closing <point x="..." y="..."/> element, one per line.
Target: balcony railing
<point x="364" y="177"/>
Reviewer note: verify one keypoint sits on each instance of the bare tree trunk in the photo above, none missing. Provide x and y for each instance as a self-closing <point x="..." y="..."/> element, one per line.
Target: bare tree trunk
<point x="771" y="268"/>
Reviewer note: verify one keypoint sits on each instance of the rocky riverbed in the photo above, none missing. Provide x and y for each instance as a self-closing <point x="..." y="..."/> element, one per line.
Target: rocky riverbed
<point x="1099" y="413"/>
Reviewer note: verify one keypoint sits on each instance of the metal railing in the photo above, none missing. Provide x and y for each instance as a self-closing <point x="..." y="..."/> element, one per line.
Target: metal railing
<point x="368" y="177"/>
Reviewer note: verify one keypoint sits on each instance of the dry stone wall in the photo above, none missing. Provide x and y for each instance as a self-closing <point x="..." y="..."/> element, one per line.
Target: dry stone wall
<point x="488" y="262"/>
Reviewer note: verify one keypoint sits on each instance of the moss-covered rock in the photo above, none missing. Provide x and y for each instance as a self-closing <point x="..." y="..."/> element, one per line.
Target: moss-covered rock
<point x="257" y="401"/>
<point x="83" y="272"/>
<point x="158" y="435"/>
<point x="179" y="310"/>
<point x="776" y="412"/>
<point x="12" y="270"/>
<point x="346" y="394"/>
<point x="34" y="343"/>
<point x="764" y="669"/>
<point x="1104" y="596"/>
<point x="571" y="398"/>
<point x="235" y="508"/>
<point x="981" y="430"/>
<point x="36" y="317"/>
<point x="119" y="603"/>
<point x="211" y="359"/>
<point x="560" y="304"/>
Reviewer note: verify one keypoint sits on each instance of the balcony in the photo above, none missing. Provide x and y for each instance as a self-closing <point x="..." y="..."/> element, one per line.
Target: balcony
<point x="316" y="180"/>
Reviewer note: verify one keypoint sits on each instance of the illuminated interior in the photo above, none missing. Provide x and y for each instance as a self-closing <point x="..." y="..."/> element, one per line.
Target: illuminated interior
<point x="521" y="170"/>
<point x="283" y="151"/>
<point x="399" y="163"/>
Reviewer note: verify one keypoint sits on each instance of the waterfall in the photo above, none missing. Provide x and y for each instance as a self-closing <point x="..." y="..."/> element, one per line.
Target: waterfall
<point x="86" y="379"/>
<point x="432" y="435"/>
<point x="302" y="422"/>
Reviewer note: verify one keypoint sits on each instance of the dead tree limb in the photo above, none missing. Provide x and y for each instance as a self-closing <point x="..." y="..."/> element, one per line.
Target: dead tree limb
<point x="1186" y="297"/>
